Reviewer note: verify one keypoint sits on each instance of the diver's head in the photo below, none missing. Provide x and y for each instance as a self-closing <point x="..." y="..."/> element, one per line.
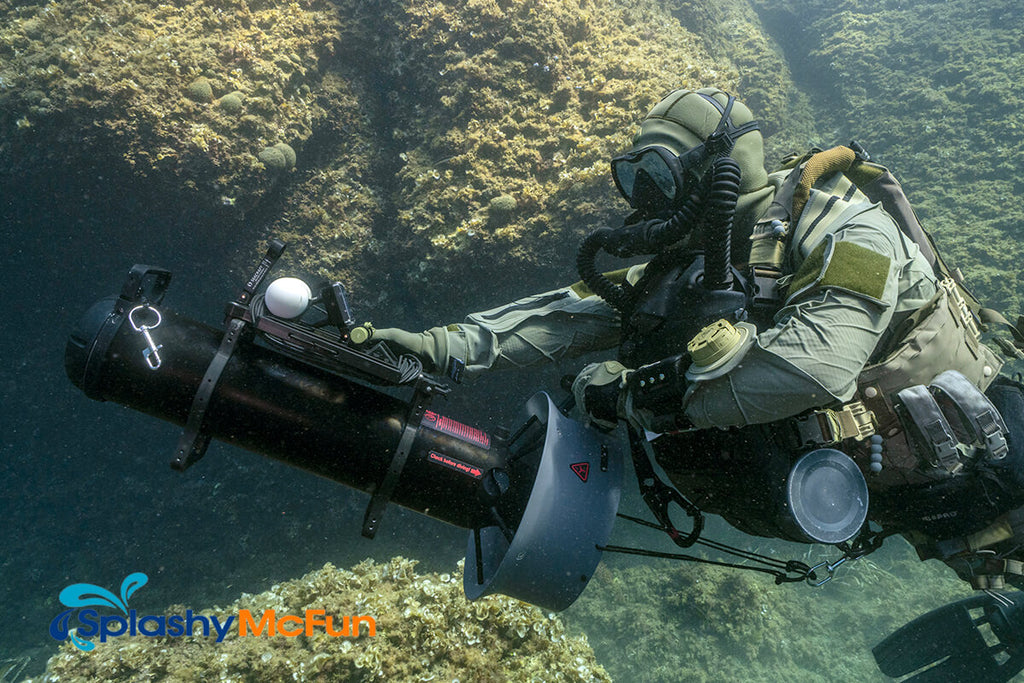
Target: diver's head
<point x="677" y="142"/>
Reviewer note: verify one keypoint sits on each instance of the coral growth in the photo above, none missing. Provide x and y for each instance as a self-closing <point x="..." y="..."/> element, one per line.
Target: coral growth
<point x="425" y="630"/>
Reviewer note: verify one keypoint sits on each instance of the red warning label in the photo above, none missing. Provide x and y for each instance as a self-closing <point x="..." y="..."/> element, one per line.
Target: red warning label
<point x="582" y="470"/>
<point x="457" y="465"/>
<point x="446" y="425"/>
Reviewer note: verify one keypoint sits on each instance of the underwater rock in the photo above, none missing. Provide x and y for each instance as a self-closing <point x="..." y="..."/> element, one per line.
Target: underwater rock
<point x="528" y="100"/>
<point x="116" y="88"/>
<point x="287" y="152"/>
<point x="425" y="629"/>
<point x="500" y="209"/>
<point x="941" y="108"/>
<point x="683" y="621"/>
<point x="273" y="159"/>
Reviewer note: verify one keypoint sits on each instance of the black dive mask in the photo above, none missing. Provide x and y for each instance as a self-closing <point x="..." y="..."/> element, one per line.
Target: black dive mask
<point x="652" y="178"/>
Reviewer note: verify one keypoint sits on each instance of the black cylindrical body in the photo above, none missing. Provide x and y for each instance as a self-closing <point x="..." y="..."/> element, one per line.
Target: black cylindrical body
<point x="285" y="409"/>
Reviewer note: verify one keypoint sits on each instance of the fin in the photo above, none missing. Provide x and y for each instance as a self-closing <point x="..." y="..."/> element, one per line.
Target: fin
<point x="976" y="639"/>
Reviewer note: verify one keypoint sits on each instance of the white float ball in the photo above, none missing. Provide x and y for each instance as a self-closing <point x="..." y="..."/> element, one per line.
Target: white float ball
<point x="288" y="297"/>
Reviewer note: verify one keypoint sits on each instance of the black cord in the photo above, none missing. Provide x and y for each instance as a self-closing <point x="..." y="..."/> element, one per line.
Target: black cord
<point x="780" y="569"/>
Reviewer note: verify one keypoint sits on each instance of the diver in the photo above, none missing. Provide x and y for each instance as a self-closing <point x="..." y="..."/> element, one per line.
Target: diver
<point x="769" y="316"/>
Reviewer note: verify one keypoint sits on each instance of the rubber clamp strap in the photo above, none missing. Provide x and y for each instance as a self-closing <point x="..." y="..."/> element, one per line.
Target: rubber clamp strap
<point x="193" y="442"/>
<point x="382" y="496"/>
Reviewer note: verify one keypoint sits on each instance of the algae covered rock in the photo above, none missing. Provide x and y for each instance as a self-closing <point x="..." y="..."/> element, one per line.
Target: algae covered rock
<point x="423" y="629"/>
<point x="200" y="90"/>
<point x="501" y="208"/>
<point x="665" y="622"/>
<point x="128" y="86"/>
<point x="528" y="100"/>
<point x="465" y="103"/>
<point x="278" y="158"/>
<point x="942" y="108"/>
<point x="231" y="103"/>
<point x="273" y="159"/>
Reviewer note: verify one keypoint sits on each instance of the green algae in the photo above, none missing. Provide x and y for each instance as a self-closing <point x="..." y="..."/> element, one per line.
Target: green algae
<point x="942" y="107"/>
<point x="274" y="159"/>
<point x="200" y="90"/>
<point x="277" y="158"/>
<point x="662" y="622"/>
<point x="231" y="103"/>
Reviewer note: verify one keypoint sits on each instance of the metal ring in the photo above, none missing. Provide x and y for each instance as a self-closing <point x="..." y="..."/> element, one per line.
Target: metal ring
<point x="140" y="328"/>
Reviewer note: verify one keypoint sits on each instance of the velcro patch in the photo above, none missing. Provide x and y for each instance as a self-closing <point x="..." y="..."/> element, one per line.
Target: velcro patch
<point x="843" y="265"/>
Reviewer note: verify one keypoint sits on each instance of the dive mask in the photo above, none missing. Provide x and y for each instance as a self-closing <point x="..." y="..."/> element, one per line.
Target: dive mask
<point x="653" y="178"/>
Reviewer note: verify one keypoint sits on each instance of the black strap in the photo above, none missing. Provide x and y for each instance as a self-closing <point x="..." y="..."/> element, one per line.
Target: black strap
<point x="784" y="571"/>
<point x="381" y="497"/>
<point x="193" y="442"/>
<point x="658" y="495"/>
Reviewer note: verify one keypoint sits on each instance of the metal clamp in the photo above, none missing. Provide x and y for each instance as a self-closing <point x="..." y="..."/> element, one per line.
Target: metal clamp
<point x="830" y="569"/>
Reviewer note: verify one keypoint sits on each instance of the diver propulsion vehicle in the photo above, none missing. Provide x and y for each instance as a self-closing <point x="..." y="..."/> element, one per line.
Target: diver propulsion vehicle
<point x="539" y="502"/>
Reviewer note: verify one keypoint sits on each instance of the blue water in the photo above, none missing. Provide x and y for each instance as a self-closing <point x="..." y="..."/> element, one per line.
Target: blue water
<point x="88" y="496"/>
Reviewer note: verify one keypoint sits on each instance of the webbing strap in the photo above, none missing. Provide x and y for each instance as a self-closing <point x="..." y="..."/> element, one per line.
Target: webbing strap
<point x="926" y="414"/>
<point x="830" y="426"/>
<point x="382" y="496"/>
<point x="193" y="442"/>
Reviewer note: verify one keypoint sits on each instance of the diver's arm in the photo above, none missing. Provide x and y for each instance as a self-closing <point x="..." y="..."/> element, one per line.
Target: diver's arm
<point x="809" y="360"/>
<point x="562" y="323"/>
<point x="821" y="341"/>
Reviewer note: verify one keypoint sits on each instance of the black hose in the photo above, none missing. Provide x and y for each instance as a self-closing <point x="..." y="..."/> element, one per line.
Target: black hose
<point x="717" y="198"/>
<point x="586" y="256"/>
<point x="725" y="191"/>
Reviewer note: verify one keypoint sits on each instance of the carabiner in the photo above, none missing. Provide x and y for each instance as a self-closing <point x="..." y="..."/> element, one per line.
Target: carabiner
<point x="151" y="352"/>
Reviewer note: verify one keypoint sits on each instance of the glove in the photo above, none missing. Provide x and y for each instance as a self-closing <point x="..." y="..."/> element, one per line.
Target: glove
<point x="430" y="346"/>
<point x="598" y="392"/>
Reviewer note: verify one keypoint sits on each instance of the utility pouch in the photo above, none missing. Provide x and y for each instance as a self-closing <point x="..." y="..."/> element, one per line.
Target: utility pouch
<point x="942" y="336"/>
<point x="937" y="337"/>
<point x="954" y="423"/>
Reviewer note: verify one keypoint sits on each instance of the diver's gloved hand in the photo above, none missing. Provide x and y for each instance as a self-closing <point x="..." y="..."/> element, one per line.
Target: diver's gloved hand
<point x="654" y="395"/>
<point x="430" y="346"/>
<point x="598" y="392"/>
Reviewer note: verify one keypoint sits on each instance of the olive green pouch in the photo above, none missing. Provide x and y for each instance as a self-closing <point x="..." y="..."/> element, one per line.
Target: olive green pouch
<point x="938" y="339"/>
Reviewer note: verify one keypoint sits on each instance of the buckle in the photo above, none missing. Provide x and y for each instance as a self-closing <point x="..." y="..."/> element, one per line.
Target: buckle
<point x="828" y="427"/>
